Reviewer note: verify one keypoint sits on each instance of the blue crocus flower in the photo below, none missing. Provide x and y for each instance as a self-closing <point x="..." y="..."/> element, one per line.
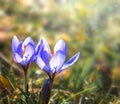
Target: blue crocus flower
<point x="23" y="51"/>
<point x="53" y="62"/>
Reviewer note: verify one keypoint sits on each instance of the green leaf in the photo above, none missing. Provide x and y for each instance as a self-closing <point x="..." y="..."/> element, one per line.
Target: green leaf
<point x="6" y="83"/>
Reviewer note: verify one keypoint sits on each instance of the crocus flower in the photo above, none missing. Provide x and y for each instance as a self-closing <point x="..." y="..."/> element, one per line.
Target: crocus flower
<point x="23" y="53"/>
<point x="53" y="62"/>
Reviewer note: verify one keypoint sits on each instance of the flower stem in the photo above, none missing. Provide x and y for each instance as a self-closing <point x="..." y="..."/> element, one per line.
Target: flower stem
<point x="25" y="85"/>
<point x="46" y="90"/>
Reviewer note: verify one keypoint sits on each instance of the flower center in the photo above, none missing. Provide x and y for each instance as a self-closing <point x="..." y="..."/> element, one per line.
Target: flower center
<point x="24" y="49"/>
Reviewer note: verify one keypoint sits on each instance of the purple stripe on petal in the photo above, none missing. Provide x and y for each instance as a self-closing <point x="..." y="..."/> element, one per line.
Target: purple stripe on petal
<point x="19" y="49"/>
<point x="39" y="47"/>
<point x="45" y="56"/>
<point x="42" y="65"/>
<point x="71" y="61"/>
<point x="42" y="45"/>
<point x="46" y="45"/>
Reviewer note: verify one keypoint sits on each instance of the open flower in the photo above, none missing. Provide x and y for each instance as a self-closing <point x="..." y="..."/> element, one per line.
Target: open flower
<point x="53" y="62"/>
<point x="23" y="51"/>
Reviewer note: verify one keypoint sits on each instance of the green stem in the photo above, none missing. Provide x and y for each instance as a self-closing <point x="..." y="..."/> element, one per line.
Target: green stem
<point x="25" y="68"/>
<point x="25" y="85"/>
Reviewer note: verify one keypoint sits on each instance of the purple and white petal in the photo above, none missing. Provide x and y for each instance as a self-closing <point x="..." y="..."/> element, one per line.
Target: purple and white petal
<point x="45" y="56"/>
<point x="15" y="43"/>
<point x="42" y="65"/>
<point x="29" y="52"/>
<point x="27" y="41"/>
<point x="17" y="58"/>
<point x="57" y="61"/>
<point x="60" y="45"/>
<point x="40" y="62"/>
<point x="46" y="45"/>
<point x="19" y="49"/>
<point x="39" y="46"/>
<point x="71" y="61"/>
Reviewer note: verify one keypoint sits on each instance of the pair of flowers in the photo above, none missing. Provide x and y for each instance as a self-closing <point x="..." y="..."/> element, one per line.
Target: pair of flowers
<point x="52" y="62"/>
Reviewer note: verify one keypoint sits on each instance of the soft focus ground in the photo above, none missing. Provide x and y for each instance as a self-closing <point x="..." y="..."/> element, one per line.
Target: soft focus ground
<point x="89" y="26"/>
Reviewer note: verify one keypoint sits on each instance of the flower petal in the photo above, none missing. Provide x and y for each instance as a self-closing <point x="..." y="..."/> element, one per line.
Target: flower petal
<point x="42" y="44"/>
<point x="46" y="45"/>
<point x="45" y="56"/>
<point x="57" y="61"/>
<point x="27" y="41"/>
<point x="60" y="45"/>
<point x="39" y="46"/>
<point x="42" y="65"/>
<point x="15" y="43"/>
<point x="40" y="62"/>
<point x="71" y="61"/>
<point x="29" y="52"/>
<point x="19" y="49"/>
<point x="17" y="58"/>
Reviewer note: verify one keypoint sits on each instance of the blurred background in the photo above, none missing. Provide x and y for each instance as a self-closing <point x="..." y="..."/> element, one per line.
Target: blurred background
<point x="89" y="26"/>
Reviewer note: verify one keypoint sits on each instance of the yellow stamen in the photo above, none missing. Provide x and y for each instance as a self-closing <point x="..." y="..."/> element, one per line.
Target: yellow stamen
<point x="23" y="52"/>
<point x="52" y="52"/>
